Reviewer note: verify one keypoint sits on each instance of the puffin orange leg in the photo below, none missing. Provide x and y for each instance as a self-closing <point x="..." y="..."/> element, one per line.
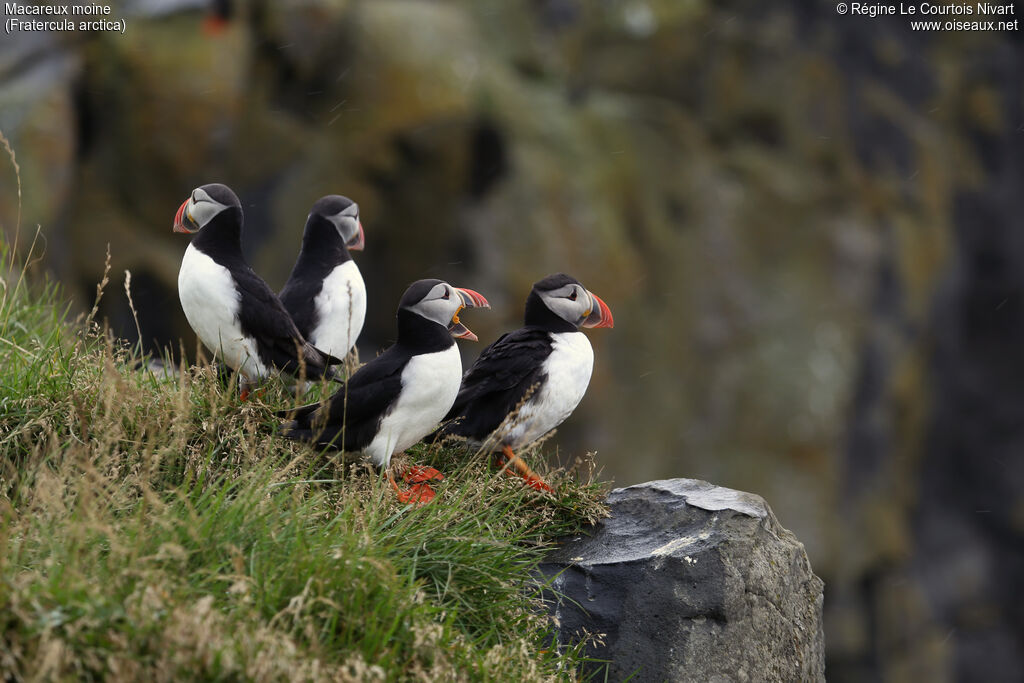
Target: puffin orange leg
<point x="245" y="394"/>
<point x="391" y="480"/>
<point x="531" y="478"/>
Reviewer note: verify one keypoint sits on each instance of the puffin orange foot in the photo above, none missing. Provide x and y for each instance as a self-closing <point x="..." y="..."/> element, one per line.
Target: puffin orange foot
<point x="537" y="484"/>
<point x="418" y="474"/>
<point x="246" y="394"/>
<point x="418" y="494"/>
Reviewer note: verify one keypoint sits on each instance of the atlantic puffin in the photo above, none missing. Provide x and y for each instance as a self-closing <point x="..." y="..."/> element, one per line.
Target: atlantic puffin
<point x="401" y="395"/>
<point x="529" y="381"/>
<point x="232" y="310"/>
<point x="218" y="16"/>
<point x="325" y="294"/>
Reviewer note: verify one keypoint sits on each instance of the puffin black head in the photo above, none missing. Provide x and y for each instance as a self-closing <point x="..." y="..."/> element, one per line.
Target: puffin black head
<point x="205" y="204"/>
<point x="441" y="303"/>
<point x="562" y="303"/>
<point x="342" y="214"/>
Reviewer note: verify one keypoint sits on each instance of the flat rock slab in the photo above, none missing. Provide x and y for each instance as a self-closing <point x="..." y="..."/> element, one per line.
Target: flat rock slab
<point x="687" y="581"/>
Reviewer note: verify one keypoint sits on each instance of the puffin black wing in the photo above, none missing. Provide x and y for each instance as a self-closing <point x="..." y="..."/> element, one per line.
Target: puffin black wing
<point x="299" y="295"/>
<point x="278" y="340"/>
<point x="354" y="411"/>
<point x="498" y="381"/>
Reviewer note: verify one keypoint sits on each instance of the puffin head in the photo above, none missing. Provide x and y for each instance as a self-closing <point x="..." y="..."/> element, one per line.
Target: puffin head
<point x="205" y="203"/>
<point x="570" y="301"/>
<point x="343" y="214"/>
<point x="440" y="302"/>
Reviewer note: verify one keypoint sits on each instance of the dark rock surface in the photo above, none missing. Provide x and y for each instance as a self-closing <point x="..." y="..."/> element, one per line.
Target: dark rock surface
<point x="690" y="581"/>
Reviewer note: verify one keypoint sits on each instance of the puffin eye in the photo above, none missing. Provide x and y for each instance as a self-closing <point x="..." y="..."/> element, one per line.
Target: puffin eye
<point x="446" y="294"/>
<point x="572" y="297"/>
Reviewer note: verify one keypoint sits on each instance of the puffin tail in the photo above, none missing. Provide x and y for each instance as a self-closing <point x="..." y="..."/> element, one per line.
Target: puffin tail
<point x="333" y="368"/>
<point x="320" y="364"/>
<point x="319" y="436"/>
<point x="321" y="358"/>
<point x="293" y="430"/>
<point x="329" y="359"/>
<point x="296" y="415"/>
<point x="298" y="424"/>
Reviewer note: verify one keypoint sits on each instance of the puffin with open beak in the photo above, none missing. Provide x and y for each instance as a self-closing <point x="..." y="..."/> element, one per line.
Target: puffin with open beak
<point x="529" y="381"/>
<point x="230" y="308"/>
<point x="325" y="294"/>
<point x="401" y="395"/>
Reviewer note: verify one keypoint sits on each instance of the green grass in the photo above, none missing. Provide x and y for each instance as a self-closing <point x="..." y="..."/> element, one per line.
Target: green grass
<point x="156" y="528"/>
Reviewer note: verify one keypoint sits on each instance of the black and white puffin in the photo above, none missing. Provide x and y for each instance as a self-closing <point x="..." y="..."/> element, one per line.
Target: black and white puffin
<point x="325" y="294"/>
<point x="232" y="310"/>
<point x="401" y="395"/>
<point x="529" y="381"/>
<point x="218" y="16"/>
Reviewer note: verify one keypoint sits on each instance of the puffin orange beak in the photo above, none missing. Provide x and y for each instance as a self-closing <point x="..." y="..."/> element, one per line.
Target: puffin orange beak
<point x="180" y="218"/>
<point x="460" y="331"/>
<point x="600" y="314"/>
<point x="359" y="241"/>
<point x="470" y="299"/>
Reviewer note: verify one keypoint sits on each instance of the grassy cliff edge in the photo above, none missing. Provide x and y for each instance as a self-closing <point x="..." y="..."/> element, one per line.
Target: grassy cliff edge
<point x="154" y="527"/>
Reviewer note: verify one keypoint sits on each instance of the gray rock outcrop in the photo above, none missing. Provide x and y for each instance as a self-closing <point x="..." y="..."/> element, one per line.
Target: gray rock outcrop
<point x="690" y="581"/>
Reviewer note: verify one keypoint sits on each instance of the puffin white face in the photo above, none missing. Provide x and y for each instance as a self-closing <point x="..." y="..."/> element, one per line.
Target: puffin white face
<point x="569" y="300"/>
<point x="577" y="306"/>
<point x="571" y="303"/>
<point x="197" y="211"/>
<point x="441" y="304"/>
<point x="343" y="215"/>
<point x="346" y="222"/>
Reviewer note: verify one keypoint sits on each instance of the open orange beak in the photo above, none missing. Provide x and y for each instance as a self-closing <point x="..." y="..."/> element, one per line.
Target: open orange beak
<point x="470" y="299"/>
<point x="600" y="314"/>
<point x="180" y="218"/>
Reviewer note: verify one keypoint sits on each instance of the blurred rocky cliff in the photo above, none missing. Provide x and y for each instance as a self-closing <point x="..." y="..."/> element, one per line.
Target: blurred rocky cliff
<point x="807" y="226"/>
